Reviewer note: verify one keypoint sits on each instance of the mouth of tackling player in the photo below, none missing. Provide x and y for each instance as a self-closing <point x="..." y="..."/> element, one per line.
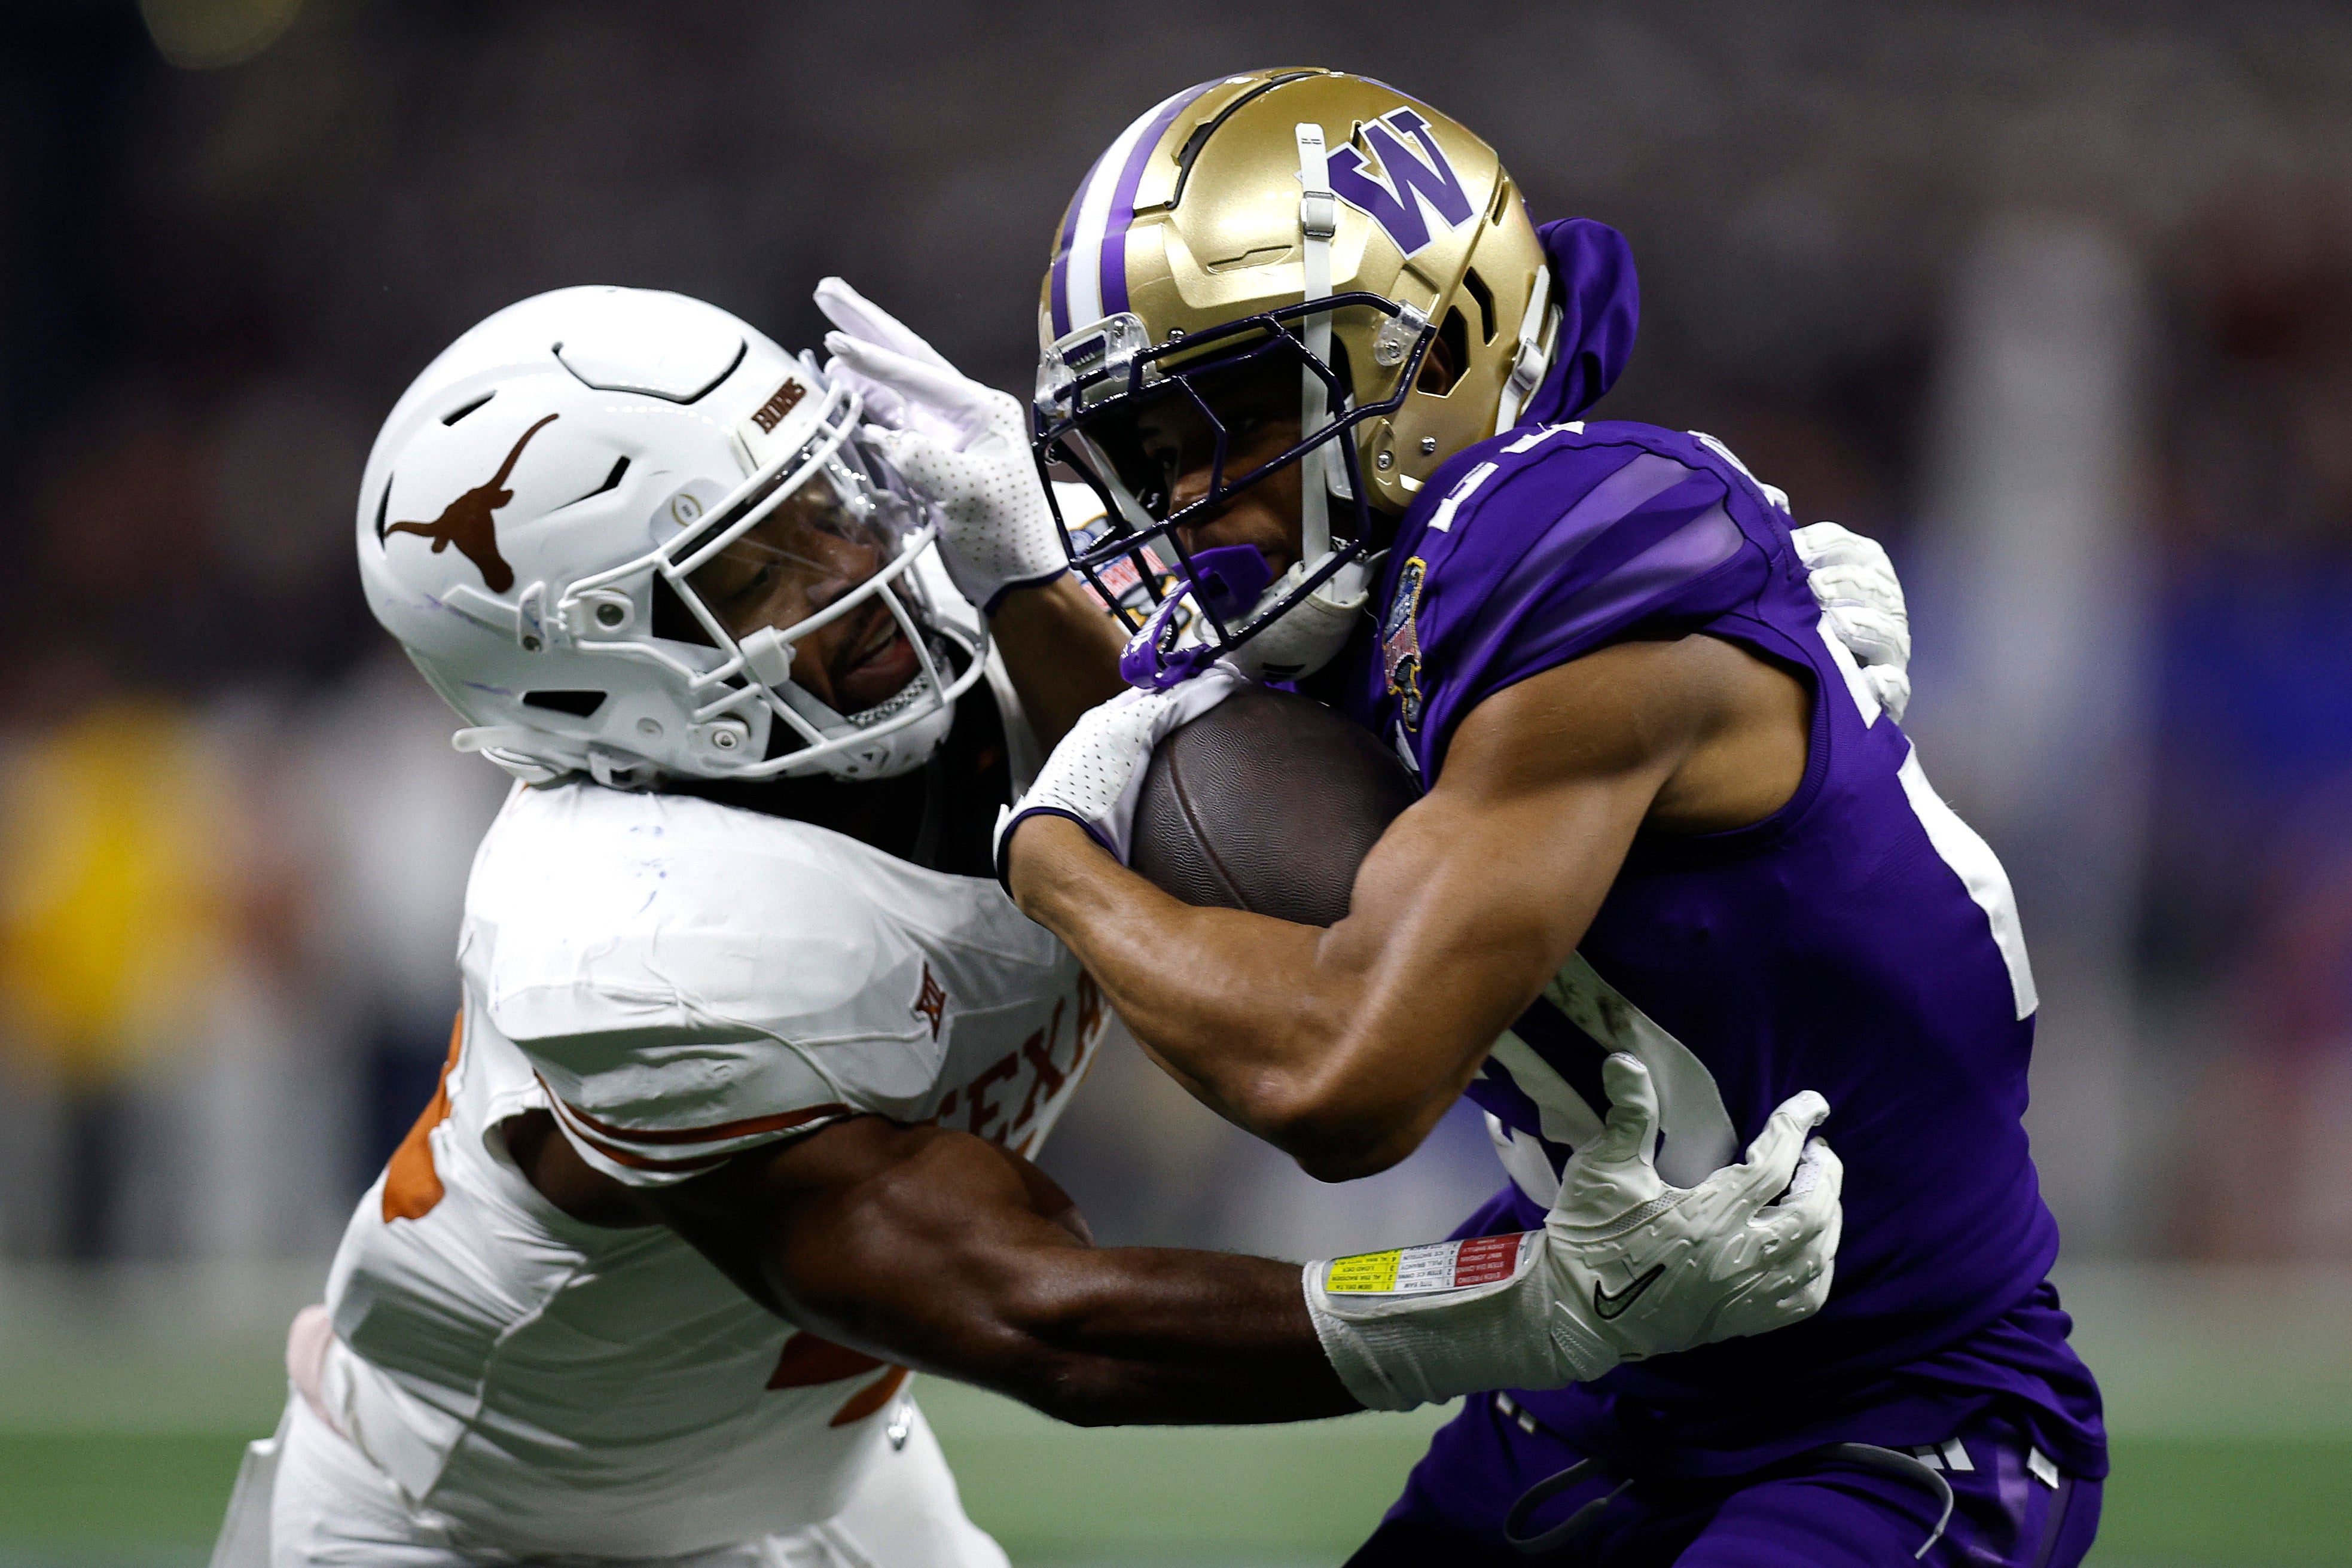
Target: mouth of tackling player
<point x="872" y="662"/>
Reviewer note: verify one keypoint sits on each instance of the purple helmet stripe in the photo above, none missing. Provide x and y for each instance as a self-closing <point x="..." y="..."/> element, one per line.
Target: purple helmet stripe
<point x="1063" y="239"/>
<point x="1089" y="259"/>
<point x="1122" y="211"/>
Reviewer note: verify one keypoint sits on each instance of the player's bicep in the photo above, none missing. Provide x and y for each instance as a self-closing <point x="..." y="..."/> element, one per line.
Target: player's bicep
<point x="555" y="1168"/>
<point x="1476" y="895"/>
<point x="1546" y="783"/>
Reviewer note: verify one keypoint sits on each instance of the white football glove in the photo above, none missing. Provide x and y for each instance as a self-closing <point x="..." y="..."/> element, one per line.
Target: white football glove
<point x="1856" y="584"/>
<point x="1096" y="774"/>
<point x="1626" y="1267"/>
<point x="964" y="444"/>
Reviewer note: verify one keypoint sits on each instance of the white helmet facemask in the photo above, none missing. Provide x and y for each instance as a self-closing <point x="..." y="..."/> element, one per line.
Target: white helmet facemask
<point x="823" y="536"/>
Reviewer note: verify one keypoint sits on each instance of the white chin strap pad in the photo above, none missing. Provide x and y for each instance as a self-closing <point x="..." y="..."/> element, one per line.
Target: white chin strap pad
<point x="1311" y="633"/>
<point x="1539" y="330"/>
<point x="1319" y="221"/>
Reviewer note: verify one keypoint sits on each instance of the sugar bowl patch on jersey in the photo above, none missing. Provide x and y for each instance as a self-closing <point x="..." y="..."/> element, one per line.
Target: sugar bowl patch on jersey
<point x="1401" y="643"/>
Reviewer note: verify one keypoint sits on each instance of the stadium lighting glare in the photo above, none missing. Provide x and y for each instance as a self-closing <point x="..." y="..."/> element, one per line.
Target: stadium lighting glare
<point x="207" y="34"/>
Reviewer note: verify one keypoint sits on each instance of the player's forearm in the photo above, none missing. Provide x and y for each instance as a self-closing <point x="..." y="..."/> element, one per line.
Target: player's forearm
<point x="1145" y="1336"/>
<point x="941" y="1252"/>
<point x="1255" y="1016"/>
<point x="1061" y="650"/>
<point x="953" y="1278"/>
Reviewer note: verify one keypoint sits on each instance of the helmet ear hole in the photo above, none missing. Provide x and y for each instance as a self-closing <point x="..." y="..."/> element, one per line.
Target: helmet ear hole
<point x="1476" y="286"/>
<point x="579" y="704"/>
<point x="1447" y="357"/>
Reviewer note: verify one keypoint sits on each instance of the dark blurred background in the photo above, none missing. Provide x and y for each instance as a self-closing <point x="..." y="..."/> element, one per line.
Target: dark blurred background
<point x="2056" y="299"/>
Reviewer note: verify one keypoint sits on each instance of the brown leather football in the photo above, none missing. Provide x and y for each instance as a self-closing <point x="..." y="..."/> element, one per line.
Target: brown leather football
<point x="1268" y="802"/>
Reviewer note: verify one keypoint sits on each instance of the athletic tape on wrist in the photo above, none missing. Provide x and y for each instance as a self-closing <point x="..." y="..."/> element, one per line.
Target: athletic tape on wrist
<point x="1437" y="1266"/>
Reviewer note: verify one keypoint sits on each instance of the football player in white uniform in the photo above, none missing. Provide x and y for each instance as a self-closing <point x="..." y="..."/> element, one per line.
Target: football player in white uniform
<point x="752" y="1047"/>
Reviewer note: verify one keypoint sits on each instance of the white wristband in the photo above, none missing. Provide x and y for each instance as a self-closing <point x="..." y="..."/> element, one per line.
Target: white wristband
<point x="1418" y="1325"/>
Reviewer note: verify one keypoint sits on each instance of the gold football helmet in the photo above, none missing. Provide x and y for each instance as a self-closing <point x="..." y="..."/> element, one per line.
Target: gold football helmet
<point x="1304" y="224"/>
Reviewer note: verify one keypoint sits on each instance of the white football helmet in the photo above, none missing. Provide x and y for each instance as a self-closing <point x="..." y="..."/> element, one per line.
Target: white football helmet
<point x="653" y="510"/>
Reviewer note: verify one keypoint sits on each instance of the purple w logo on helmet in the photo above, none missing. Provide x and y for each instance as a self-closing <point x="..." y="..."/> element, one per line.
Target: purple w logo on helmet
<point x="1414" y="188"/>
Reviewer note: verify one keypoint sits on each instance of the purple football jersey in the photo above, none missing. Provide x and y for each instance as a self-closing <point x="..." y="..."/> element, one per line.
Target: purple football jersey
<point x="1862" y="941"/>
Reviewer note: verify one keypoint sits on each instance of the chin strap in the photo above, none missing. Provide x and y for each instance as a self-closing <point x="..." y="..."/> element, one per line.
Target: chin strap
<point x="538" y="758"/>
<point x="1537" y="324"/>
<point x="1319" y="221"/>
<point x="525" y="754"/>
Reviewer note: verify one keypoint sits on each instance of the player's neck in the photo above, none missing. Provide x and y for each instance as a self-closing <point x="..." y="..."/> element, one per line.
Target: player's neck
<point x="939" y="816"/>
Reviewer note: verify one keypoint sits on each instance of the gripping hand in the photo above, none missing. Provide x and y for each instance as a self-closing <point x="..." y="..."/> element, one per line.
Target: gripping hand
<point x="1096" y="774"/>
<point x="1854" y="584"/>
<point x="964" y="444"/>
<point x="1624" y="1267"/>
<point x="1642" y="1269"/>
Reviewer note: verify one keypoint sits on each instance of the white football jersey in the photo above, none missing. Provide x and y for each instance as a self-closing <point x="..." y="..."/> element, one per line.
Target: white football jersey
<point x="676" y="981"/>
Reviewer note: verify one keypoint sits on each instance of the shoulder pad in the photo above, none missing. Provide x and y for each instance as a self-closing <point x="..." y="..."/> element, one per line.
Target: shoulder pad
<point x="682" y="977"/>
<point x="1547" y="544"/>
<point x="592" y="910"/>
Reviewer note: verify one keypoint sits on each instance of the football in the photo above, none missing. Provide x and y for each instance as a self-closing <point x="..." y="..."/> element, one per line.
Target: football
<point x="1269" y="802"/>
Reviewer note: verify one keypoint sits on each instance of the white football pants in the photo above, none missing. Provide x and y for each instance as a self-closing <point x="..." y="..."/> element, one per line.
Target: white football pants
<point x="308" y="1499"/>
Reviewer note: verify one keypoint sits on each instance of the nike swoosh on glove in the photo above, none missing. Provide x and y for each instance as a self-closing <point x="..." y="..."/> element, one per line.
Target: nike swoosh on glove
<point x="964" y="444"/>
<point x="1096" y="774"/>
<point x="1626" y="1267"/>
<point x="1643" y="1268"/>
<point x="1854" y="584"/>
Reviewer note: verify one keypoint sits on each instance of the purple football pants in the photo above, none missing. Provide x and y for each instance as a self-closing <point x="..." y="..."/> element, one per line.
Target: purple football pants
<point x="1815" y="1511"/>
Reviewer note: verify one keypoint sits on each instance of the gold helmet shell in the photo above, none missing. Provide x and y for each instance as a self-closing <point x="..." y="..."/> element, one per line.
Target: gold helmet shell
<point x="1193" y="219"/>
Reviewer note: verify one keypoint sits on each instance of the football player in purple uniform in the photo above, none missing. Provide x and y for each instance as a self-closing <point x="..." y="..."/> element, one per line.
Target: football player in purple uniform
<point x="1305" y="343"/>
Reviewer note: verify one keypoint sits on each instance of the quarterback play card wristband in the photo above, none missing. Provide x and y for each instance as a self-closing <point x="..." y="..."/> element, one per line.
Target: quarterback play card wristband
<point x="1419" y="1325"/>
<point x="1434" y="1266"/>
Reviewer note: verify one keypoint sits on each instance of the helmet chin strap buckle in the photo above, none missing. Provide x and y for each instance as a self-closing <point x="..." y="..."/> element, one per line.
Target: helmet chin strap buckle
<point x="620" y="770"/>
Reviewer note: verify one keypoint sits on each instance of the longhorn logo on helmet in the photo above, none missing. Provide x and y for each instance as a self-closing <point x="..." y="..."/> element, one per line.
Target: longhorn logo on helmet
<point x="466" y="523"/>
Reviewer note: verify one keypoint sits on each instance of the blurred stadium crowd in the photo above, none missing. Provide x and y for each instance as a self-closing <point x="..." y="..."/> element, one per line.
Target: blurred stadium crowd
<point x="2057" y="299"/>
